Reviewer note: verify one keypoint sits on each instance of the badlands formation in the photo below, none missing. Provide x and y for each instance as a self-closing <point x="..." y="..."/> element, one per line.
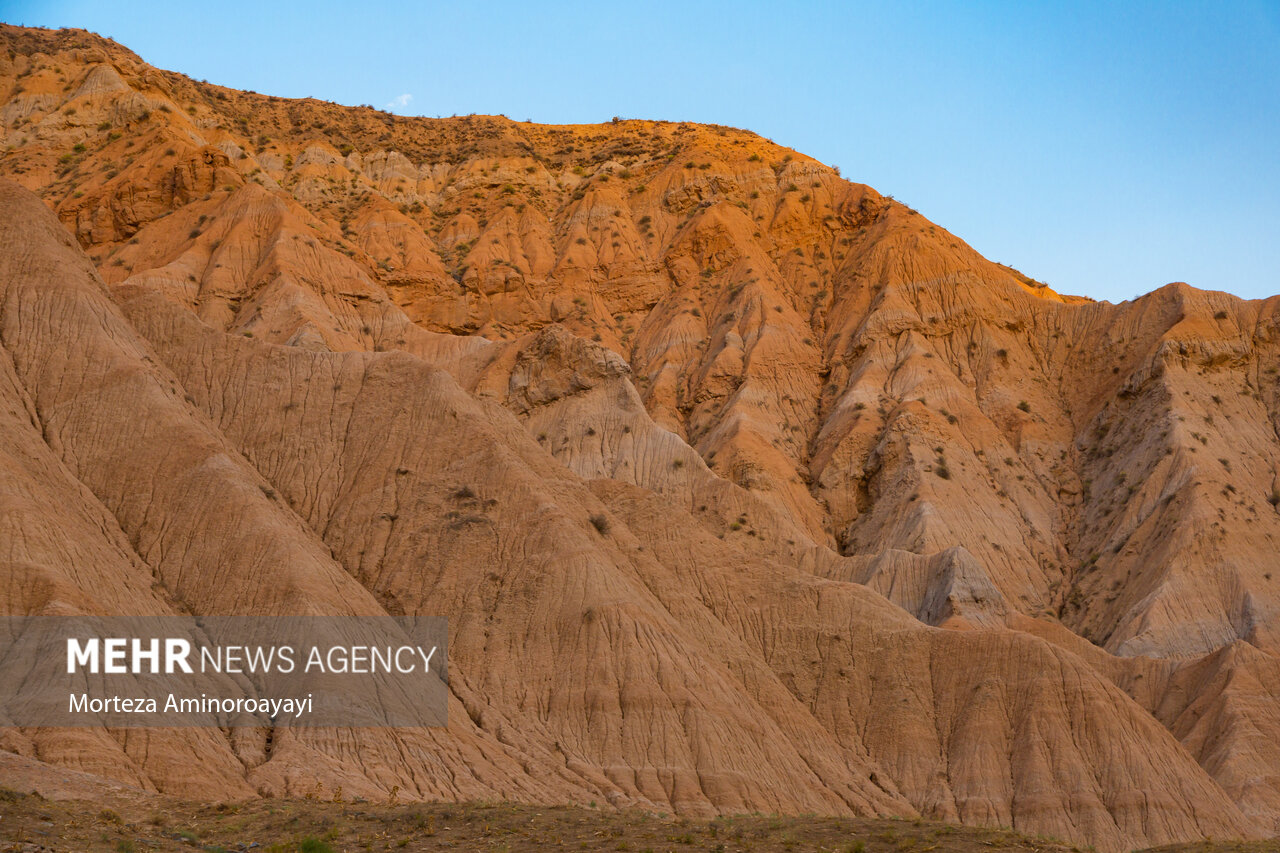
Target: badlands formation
<point x="743" y="487"/>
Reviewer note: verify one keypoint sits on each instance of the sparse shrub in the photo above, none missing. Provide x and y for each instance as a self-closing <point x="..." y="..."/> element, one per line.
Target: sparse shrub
<point x="600" y="522"/>
<point x="311" y="844"/>
<point x="1024" y="406"/>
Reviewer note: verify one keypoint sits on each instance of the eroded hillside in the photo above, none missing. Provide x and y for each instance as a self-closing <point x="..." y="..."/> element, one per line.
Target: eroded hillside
<point x="743" y="486"/>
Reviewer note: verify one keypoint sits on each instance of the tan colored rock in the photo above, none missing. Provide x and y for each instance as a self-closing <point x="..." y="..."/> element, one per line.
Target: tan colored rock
<point x="743" y="486"/>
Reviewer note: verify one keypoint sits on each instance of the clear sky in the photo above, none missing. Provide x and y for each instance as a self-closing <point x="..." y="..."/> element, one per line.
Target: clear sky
<point x="1105" y="148"/>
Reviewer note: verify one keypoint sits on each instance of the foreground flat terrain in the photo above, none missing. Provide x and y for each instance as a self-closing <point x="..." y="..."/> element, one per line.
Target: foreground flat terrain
<point x="312" y="826"/>
<point x="30" y="822"/>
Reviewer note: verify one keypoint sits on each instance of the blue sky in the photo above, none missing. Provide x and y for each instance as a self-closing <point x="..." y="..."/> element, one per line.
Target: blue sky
<point x="1104" y="148"/>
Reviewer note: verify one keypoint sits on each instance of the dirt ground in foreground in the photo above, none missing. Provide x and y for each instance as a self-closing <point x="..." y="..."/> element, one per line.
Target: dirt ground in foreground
<point x="28" y="822"/>
<point x="31" y="823"/>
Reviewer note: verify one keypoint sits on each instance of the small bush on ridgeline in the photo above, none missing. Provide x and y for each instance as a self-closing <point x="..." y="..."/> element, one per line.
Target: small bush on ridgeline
<point x="601" y="523"/>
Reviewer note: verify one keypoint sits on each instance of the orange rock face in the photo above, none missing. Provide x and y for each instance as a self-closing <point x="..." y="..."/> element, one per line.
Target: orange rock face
<point x="743" y="487"/>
